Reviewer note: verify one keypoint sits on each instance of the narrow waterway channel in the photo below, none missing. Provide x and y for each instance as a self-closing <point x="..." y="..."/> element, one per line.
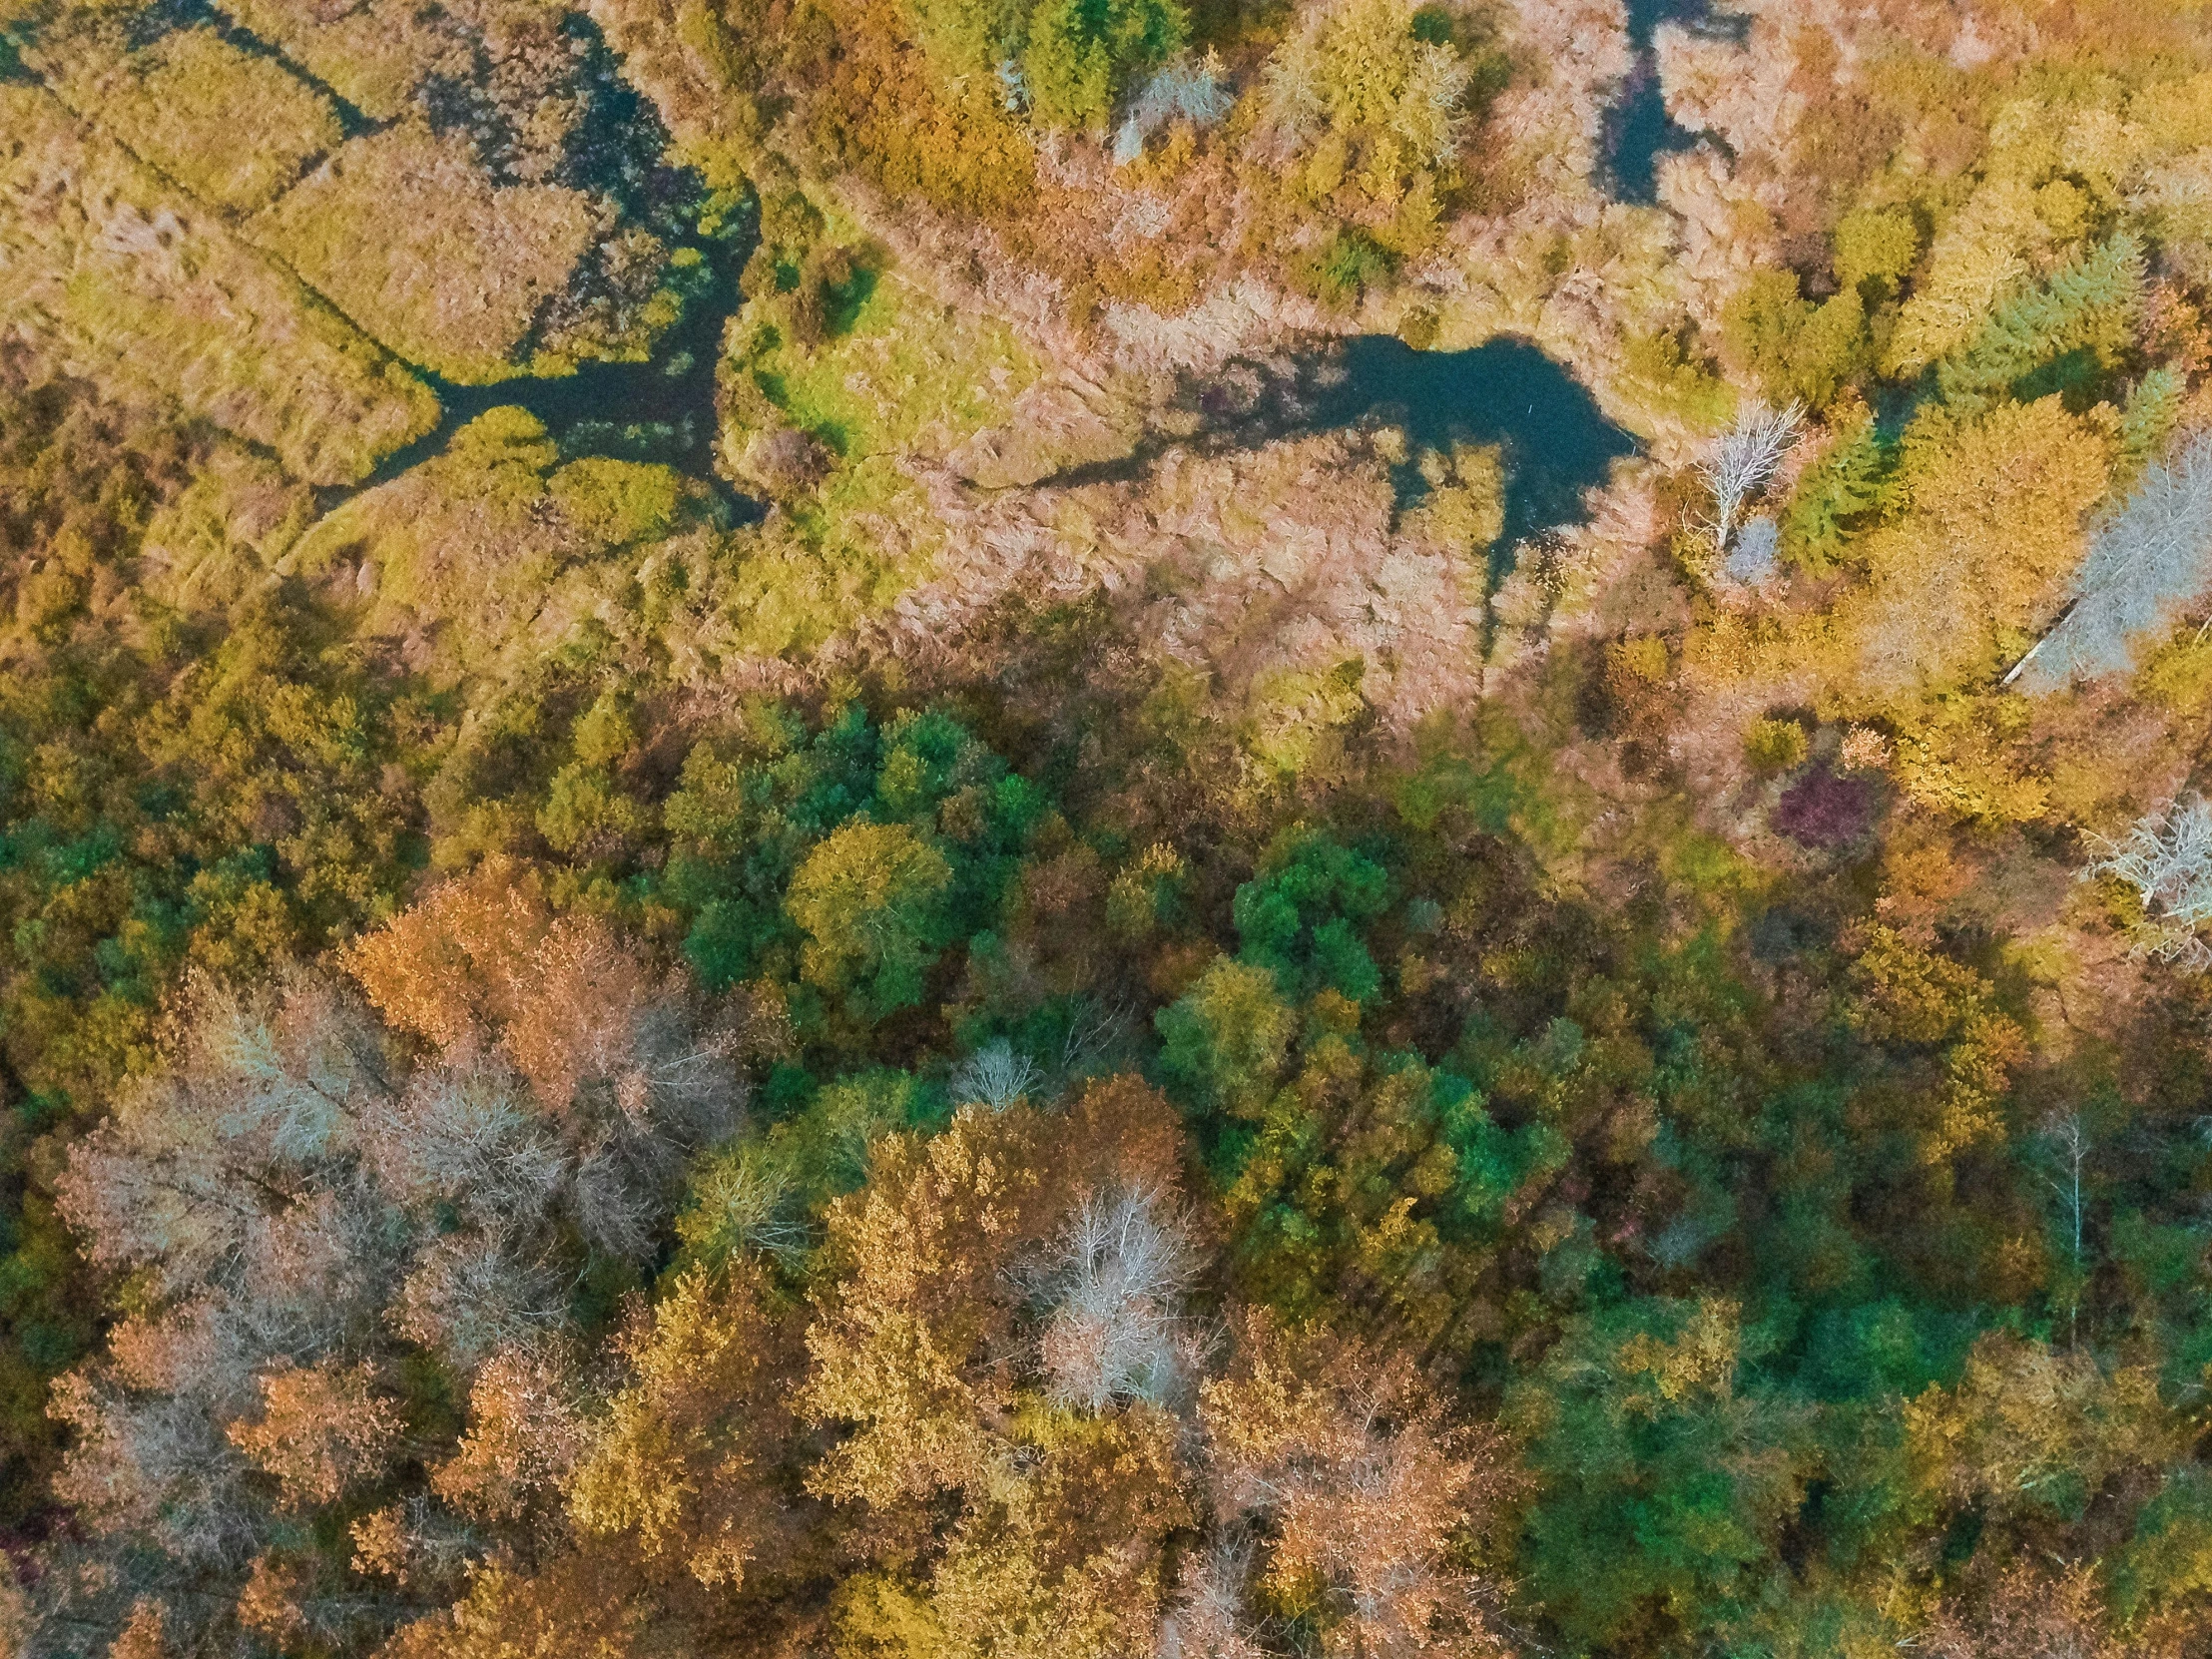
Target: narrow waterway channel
<point x="1638" y="128"/>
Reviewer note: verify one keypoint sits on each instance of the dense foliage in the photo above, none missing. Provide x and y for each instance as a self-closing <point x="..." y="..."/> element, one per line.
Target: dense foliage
<point x="776" y="881"/>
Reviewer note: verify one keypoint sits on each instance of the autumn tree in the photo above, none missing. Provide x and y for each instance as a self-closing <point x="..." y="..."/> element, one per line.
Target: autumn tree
<point x="937" y="1373"/>
<point x="1079" y="53"/>
<point x="1370" y="1494"/>
<point x="320" y="1221"/>
<point x="869" y="900"/>
<point x="1985" y="531"/>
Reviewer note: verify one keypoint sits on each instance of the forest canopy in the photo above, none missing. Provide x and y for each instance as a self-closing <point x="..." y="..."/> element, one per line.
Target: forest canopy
<point x="1114" y="829"/>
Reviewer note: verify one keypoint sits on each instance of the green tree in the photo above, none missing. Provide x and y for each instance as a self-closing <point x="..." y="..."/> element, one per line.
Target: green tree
<point x="1224" y="1040"/>
<point x="1795" y="348"/>
<point x="1079" y="52"/>
<point x="1844" y="483"/>
<point x="1299" y="915"/>
<point x="871" y="900"/>
<point x="2072" y="327"/>
<point x="1666" y="1484"/>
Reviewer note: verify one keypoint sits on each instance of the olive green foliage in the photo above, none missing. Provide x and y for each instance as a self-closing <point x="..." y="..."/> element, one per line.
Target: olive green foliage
<point x="1621" y="1137"/>
<point x="1225" y="1038"/>
<point x="2083" y="312"/>
<point x="1079" y="53"/>
<point x="843" y="861"/>
<point x="1701" y="1250"/>
<point x="210" y="791"/>
<point x="867" y="899"/>
<point x="1795" y="348"/>
<point x="1876" y="245"/>
<point x="1775" y="745"/>
<point x="1843" y="484"/>
<point x="1345" y="267"/>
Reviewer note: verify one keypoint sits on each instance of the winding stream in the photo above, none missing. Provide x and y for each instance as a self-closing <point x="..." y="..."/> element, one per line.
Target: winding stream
<point x="659" y="411"/>
<point x="1638" y="128"/>
<point x="1557" y="443"/>
<point x="1508" y="392"/>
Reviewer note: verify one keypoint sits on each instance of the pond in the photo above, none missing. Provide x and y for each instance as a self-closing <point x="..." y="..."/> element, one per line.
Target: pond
<point x="1556" y="441"/>
<point x="659" y="411"/>
<point x="1508" y="392"/>
<point x="1557" y="444"/>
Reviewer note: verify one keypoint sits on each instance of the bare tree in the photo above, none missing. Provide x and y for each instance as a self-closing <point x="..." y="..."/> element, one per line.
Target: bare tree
<point x="1117" y="1276"/>
<point x="2069" y="1142"/>
<point x="2147" y="567"/>
<point x="1753" y="563"/>
<point x="264" y="1090"/>
<point x="747" y="1200"/>
<point x="1742" y="462"/>
<point x="2067" y="1138"/>
<point x="1095" y="1031"/>
<point x="994" y="1076"/>
<point x="464" y="1135"/>
<point x="1208" y="1618"/>
<point x="476" y="1292"/>
<point x="2167" y="859"/>
<point x="1180" y="90"/>
<point x="297" y="1204"/>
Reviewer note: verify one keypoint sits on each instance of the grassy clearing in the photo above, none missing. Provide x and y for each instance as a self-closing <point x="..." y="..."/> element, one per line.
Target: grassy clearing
<point x="109" y="272"/>
<point x="497" y="538"/>
<point x="902" y="374"/>
<point x="896" y="377"/>
<point x="410" y="239"/>
<point x="372" y="56"/>
<point x="234" y="129"/>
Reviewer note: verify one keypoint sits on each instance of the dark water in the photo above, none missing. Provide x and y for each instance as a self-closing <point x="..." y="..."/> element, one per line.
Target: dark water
<point x="662" y="410"/>
<point x="1556" y="441"/>
<point x="1639" y="130"/>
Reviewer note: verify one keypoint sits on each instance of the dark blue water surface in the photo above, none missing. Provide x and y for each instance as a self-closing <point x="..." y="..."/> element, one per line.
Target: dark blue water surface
<point x="661" y="411"/>
<point x="1557" y="443"/>
<point x="1638" y="129"/>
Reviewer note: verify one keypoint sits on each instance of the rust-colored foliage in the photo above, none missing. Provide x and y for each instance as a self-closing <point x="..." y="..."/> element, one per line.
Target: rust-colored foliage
<point x="1365" y="1485"/>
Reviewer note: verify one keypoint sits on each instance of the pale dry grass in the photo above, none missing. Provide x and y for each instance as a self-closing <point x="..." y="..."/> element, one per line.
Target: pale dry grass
<point x="407" y="236"/>
<point x="108" y="273"/>
<point x="232" y="127"/>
